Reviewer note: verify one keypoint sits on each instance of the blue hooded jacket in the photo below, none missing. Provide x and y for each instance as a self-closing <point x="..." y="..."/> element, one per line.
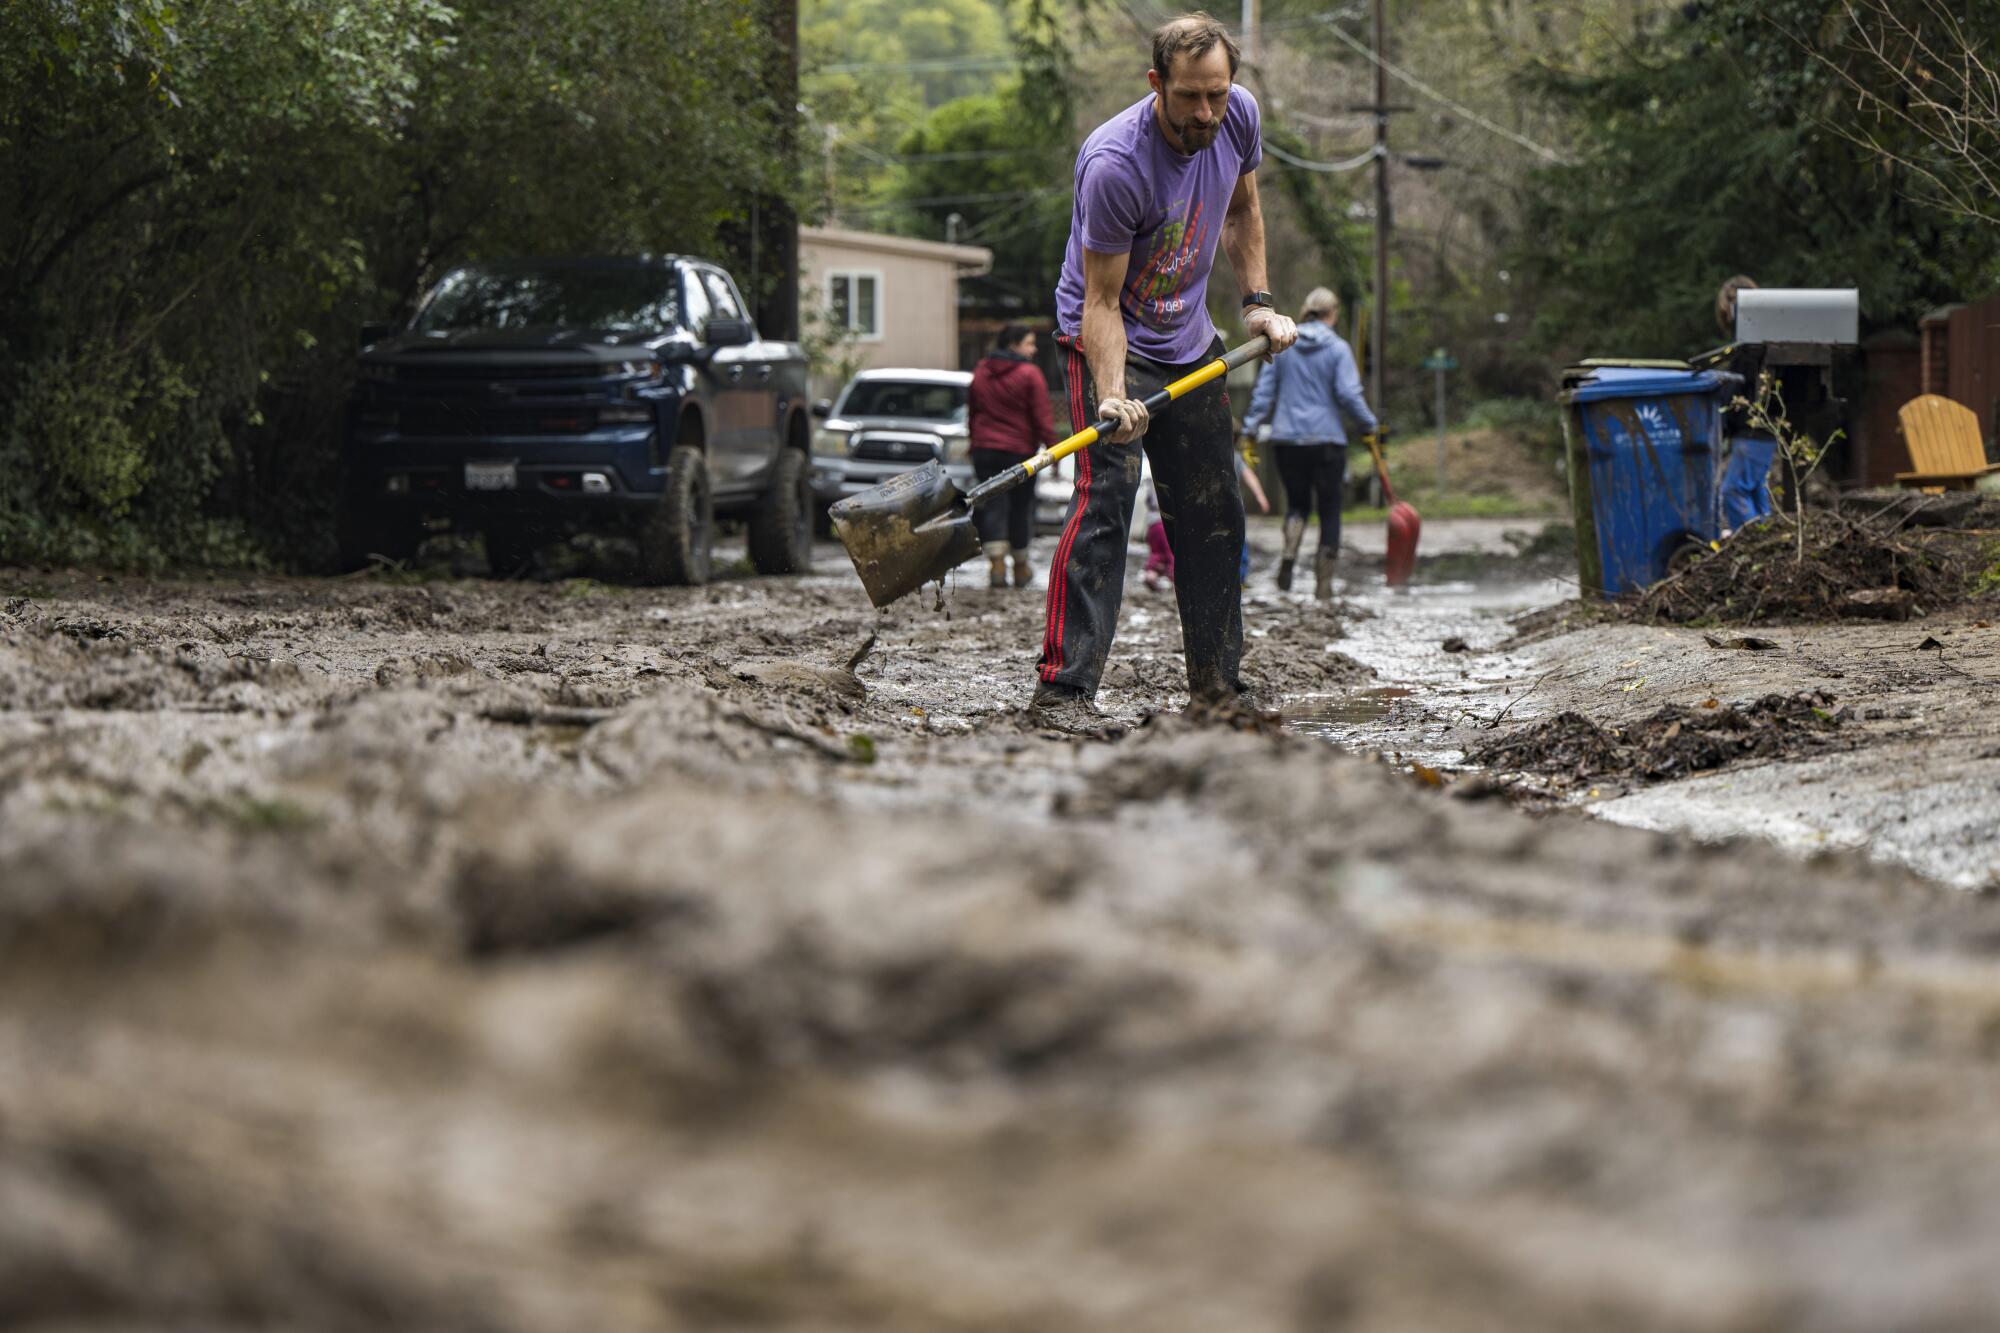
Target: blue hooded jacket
<point x="1302" y="393"/>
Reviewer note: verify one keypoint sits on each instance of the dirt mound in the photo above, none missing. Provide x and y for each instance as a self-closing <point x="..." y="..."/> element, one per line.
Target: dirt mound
<point x="1851" y="566"/>
<point x="1484" y="462"/>
<point x="1672" y="743"/>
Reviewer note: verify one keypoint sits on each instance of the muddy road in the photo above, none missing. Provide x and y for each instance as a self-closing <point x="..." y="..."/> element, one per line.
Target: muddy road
<point x="463" y="955"/>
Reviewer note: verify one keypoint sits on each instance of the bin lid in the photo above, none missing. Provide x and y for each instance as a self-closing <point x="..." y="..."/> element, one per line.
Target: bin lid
<point x="1640" y="382"/>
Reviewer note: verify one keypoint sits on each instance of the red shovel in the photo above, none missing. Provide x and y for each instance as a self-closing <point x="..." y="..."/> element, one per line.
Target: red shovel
<point x="1404" y="524"/>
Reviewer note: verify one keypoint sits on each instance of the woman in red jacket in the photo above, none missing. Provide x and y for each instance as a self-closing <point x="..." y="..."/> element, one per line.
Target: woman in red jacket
<point x="1009" y="419"/>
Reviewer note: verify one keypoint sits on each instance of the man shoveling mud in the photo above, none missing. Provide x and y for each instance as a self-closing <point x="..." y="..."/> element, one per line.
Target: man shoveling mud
<point x="1157" y="187"/>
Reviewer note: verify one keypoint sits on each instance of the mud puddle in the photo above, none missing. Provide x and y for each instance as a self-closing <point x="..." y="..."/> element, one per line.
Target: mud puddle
<point x="1910" y="785"/>
<point x="1429" y="646"/>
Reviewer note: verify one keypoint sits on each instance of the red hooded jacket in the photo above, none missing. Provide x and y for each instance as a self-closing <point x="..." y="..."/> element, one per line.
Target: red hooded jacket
<point x="1009" y="405"/>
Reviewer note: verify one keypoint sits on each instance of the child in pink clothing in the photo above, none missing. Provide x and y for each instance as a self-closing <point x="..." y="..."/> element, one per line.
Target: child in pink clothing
<point x="1159" y="555"/>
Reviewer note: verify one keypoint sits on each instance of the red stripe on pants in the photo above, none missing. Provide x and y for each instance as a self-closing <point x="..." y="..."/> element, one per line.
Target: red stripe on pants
<point x="1052" y="657"/>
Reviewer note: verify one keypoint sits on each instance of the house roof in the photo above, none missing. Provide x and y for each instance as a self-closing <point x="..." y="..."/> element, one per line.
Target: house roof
<point x="970" y="259"/>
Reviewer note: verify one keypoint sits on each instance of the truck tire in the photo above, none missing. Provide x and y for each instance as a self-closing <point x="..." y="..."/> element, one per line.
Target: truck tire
<point x="781" y="527"/>
<point x="674" y="539"/>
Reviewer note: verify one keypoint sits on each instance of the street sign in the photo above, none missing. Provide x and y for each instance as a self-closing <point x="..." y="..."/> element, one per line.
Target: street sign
<point x="1440" y="362"/>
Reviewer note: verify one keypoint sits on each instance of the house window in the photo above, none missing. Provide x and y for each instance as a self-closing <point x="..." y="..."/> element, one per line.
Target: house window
<point x="855" y="301"/>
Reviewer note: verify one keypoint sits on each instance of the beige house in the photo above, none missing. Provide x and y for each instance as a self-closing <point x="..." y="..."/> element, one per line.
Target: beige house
<point x="882" y="300"/>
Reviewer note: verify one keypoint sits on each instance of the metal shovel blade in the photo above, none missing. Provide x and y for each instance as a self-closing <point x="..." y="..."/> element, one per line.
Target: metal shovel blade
<point x="906" y="532"/>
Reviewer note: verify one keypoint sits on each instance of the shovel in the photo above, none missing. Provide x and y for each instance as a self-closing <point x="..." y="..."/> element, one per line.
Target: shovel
<point x="917" y="528"/>
<point x="1404" y="524"/>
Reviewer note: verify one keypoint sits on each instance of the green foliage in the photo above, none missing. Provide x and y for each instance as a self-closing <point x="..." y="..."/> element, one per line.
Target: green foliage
<point x="206" y="200"/>
<point x="1989" y="577"/>
<point x="1535" y="421"/>
<point x="999" y="151"/>
<point x="1319" y="205"/>
<point x="872" y="70"/>
<point x="1716" y="145"/>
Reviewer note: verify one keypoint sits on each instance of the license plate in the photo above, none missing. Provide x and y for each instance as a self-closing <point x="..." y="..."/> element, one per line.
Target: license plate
<point x="489" y="476"/>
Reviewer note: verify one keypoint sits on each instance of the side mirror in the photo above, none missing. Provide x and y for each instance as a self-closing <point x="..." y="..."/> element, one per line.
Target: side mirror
<point x="720" y="332"/>
<point x="374" y="333"/>
<point x="823" y="407"/>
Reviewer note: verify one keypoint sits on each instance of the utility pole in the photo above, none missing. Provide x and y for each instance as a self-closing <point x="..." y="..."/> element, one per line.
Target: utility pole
<point x="1379" y="360"/>
<point x="1249" y="30"/>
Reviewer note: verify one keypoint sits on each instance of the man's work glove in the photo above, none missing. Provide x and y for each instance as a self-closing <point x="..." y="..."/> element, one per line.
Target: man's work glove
<point x="1247" y="446"/>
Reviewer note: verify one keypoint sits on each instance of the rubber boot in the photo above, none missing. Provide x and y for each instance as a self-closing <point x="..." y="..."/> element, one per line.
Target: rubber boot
<point x="1295" y="531"/>
<point x="996" y="564"/>
<point x="1055" y="708"/>
<point x="1024" y="573"/>
<point x="1323" y="575"/>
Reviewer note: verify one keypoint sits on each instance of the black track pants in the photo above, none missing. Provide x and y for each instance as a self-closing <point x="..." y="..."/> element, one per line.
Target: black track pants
<point x="1313" y="475"/>
<point x="1191" y="447"/>
<point x="1009" y="517"/>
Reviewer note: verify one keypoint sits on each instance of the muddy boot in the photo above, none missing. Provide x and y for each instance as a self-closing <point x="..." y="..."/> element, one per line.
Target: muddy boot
<point x="1323" y="575"/>
<point x="1057" y="709"/>
<point x="1024" y="573"/>
<point x="1295" y="531"/>
<point x="996" y="564"/>
<point x="1237" y="709"/>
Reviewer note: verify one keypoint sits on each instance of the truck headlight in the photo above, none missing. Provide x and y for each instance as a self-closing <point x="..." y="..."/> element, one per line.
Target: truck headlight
<point x="957" y="448"/>
<point x="830" y="443"/>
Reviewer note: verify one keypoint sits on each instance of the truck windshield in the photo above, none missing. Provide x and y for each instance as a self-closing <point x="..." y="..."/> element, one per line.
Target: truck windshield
<point x="905" y="398"/>
<point x="618" y="299"/>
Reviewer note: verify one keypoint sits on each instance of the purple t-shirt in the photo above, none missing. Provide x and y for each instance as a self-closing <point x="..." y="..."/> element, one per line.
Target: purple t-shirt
<point x="1135" y="193"/>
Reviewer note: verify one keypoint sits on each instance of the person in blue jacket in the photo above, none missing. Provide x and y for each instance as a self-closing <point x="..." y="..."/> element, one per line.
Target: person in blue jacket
<point x="1746" y="489"/>
<point x="1297" y="407"/>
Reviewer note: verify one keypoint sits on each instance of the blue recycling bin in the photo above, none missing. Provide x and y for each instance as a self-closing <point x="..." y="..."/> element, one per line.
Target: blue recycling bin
<point x="1645" y="463"/>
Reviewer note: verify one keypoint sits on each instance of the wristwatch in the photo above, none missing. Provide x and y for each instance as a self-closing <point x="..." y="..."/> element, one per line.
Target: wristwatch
<point x="1257" y="298"/>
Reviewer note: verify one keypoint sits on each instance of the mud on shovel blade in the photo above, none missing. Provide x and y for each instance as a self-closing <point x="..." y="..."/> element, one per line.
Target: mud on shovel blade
<point x="918" y="527"/>
<point x="906" y="532"/>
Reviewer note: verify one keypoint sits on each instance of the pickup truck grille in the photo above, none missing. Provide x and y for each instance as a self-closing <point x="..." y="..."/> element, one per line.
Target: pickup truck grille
<point x="894" y="448"/>
<point x="460" y="421"/>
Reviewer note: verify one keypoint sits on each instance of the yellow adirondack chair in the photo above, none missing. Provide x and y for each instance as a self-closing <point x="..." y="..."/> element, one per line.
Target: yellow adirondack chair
<point x="1944" y="444"/>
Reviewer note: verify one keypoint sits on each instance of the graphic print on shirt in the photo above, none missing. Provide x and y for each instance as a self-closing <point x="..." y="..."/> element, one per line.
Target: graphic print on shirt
<point x="1154" y="295"/>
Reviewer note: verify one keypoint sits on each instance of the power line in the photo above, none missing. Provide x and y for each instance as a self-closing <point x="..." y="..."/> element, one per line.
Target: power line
<point x="964" y="155"/>
<point x="1350" y="164"/>
<point x="938" y="200"/>
<point x="983" y="231"/>
<point x="1404" y="76"/>
<point x="944" y="66"/>
<point x="1346" y="122"/>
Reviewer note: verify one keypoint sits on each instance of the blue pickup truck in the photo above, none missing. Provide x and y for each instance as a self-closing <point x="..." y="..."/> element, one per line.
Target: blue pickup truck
<point x="531" y="399"/>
